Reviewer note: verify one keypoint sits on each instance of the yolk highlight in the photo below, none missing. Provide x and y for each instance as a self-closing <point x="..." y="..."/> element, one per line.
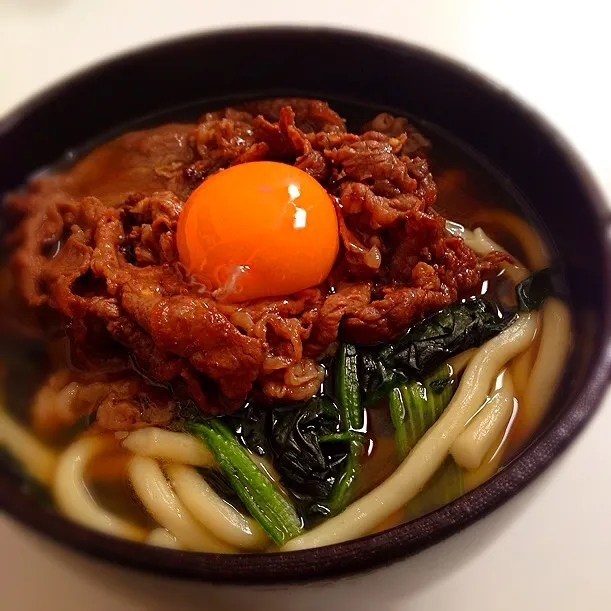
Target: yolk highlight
<point x="259" y="229"/>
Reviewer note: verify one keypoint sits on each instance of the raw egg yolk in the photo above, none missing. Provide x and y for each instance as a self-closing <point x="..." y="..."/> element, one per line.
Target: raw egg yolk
<point x="259" y="229"/>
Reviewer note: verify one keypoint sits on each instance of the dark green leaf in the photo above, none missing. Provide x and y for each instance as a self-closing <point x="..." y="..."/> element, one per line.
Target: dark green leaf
<point x="299" y="439"/>
<point x="452" y="330"/>
<point x="252" y="428"/>
<point x="532" y="292"/>
<point x="307" y="469"/>
<point x="428" y="344"/>
<point x="377" y="379"/>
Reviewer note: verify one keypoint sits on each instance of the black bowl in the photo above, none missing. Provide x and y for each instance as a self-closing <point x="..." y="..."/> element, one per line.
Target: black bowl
<point x="383" y="74"/>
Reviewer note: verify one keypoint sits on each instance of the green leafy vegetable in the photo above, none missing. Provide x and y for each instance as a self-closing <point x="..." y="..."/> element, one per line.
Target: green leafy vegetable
<point x="252" y="427"/>
<point x="378" y="376"/>
<point x="347" y="389"/>
<point x="532" y="292"/>
<point x="416" y="406"/>
<point x="307" y="469"/>
<point x="396" y="406"/>
<point x="260" y="496"/>
<point x="342" y="491"/>
<point x="428" y="344"/>
<point x="454" y="329"/>
<point x="306" y="445"/>
<point x="425" y="402"/>
<point x="315" y="445"/>
<point x="348" y="393"/>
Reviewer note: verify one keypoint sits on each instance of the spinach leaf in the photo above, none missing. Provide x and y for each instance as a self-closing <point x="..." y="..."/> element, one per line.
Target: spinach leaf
<point x="306" y="468"/>
<point x="532" y="292"/>
<point x="416" y="406"/>
<point x="347" y="390"/>
<point x="264" y="501"/>
<point x="378" y="376"/>
<point x="299" y="438"/>
<point x="252" y="428"/>
<point x="454" y="329"/>
<point x="428" y="344"/>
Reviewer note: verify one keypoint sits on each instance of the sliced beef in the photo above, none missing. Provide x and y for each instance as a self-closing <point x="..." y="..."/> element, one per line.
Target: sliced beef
<point x="414" y="142"/>
<point x="143" y="161"/>
<point x="347" y="300"/>
<point x="119" y="404"/>
<point x="311" y="115"/>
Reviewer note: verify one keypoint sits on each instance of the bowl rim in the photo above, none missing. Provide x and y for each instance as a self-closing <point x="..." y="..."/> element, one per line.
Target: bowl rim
<point x="400" y="541"/>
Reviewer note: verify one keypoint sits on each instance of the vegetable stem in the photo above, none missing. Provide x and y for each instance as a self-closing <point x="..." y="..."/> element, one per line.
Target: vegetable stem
<point x="262" y="499"/>
<point x="347" y="387"/>
<point x="347" y="391"/>
<point x="338" y="437"/>
<point x="342" y="490"/>
<point x="397" y="415"/>
<point x="414" y="407"/>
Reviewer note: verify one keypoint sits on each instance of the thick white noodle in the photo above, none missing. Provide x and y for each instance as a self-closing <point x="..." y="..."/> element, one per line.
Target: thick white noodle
<point x="429" y="453"/>
<point x="162" y="537"/>
<point x="165" y="445"/>
<point x="153" y="490"/>
<point x="460" y="361"/>
<point x="73" y="497"/>
<point x="36" y="458"/>
<point x="549" y="364"/>
<point x="214" y="513"/>
<point x="484" y="429"/>
<point x="537" y="255"/>
<point x="478" y="241"/>
<point x="522" y="365"/>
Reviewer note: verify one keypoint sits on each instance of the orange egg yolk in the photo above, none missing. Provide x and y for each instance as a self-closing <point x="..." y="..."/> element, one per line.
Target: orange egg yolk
<point x="259" y="229"/>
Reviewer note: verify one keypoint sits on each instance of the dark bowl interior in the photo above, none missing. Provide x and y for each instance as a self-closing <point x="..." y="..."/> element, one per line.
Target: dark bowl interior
<point x="382" y="74"/>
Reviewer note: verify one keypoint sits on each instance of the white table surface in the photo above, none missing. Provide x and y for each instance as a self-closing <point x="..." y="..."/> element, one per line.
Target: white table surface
<point x="546" y="549"/>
